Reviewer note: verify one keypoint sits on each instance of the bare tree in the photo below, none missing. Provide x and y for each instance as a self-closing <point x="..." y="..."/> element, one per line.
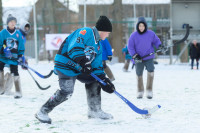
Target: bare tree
<point x="117" y="33"/>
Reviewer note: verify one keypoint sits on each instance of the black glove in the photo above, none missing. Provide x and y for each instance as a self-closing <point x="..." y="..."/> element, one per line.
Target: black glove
<point x="110" y="57"/>
<point x="138" y="59"/>
<point x="86" y="66"/>
<point x="163" y="49"/>
<point x="109" y="87"/>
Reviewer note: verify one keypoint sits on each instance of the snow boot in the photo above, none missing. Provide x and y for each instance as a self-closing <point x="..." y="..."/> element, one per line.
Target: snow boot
<point x="18" y="89"/>
<point x="53" y="101"/>
<point x="126" y="65"/>
<point x="42" y="115"/>
<point x="93" y="92"/>
<point x="2" y="82"/>
<point x="8" y="84"/>
<point x="197" y="65"/>
<point x="149" y="87"/>
<point x="109" y="73"/>
<point x="140" y="86"/>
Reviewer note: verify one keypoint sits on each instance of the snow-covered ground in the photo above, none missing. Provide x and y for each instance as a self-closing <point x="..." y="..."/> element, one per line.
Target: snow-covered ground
<point x="176" y="89"/>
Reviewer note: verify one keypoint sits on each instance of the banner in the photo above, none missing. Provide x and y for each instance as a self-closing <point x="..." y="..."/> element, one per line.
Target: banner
<point x="53" y="41"/>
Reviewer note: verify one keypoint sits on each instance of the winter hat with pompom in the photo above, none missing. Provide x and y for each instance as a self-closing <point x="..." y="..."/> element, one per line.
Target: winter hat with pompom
<point x="10" y="18"/>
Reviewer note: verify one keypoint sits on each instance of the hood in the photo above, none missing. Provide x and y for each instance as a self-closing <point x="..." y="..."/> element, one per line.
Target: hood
<point x="141" y="20"/>
<point x="22" y="27"/>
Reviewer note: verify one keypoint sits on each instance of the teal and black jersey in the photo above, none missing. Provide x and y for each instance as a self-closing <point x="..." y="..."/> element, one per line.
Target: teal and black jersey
<point x="14" y="42"/>
<point x="79" y="45"/>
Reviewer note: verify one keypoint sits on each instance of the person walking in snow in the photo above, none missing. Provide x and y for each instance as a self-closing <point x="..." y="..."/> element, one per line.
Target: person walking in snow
<point x="127" y="58"/>
<point x="107" y="55"/>
<point x="12" y="51"/>
<point x="81" y="48"/>
<point x="140" y="44"/>
<point x="8" y="77"/>
<point x="194" y="53"/>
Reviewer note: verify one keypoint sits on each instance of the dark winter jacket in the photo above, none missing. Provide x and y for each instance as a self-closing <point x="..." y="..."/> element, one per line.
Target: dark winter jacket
<point x="194" y="51"/>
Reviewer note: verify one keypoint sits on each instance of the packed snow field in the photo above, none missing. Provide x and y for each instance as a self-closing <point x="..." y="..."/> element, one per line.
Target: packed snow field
<point x="176" y="89"/>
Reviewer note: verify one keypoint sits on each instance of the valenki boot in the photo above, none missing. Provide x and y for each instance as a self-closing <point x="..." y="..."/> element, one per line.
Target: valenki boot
<point x="93" y="92"/>
<point x="149" y="87"/>
<point x="2" y="82"/>
<point x="140" y="87"/>
<point x="18" y="89"/>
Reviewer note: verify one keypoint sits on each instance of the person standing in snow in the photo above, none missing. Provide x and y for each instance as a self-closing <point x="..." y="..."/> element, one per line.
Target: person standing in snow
<point x="127" y="58"/>
<point x="141" y="43"/>
<point x="12" y="51"/>
<point x="24" y="30"/>
<point x="107" y="55"/>
<point x="81" y="48"/>
<point x="194" y="53"/>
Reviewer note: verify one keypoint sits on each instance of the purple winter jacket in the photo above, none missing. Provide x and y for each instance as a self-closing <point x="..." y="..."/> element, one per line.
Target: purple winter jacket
<point x="142" y="43"/>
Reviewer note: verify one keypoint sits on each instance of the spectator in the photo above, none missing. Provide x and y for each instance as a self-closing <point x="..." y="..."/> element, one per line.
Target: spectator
<point x="127" y="58"/>
<point x="107" y="55"/>
<point x="194" y="53"/>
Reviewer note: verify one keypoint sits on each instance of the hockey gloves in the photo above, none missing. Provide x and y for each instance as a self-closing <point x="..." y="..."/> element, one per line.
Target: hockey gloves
<point x="24" y="66"/>
<point x="109" y="87"/>
<point x="7" y="52"/>
<point x="22" y="62"/>
<point x="86" y="66"/>
<point x="137" y="59"/>
<point x="163" y="49"/>
<point x="110" y="57"/>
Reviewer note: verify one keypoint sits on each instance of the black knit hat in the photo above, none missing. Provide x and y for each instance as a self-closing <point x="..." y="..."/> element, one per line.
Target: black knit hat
<point x="104" y="24"/>
<point x="10" y="18"/>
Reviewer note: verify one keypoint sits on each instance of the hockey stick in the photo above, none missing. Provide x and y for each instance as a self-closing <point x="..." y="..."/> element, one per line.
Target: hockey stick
<point x="40" y="75"/>
<point x="41" y="88"/>
<point x="178" y="42"/>
<point x="132" y="106"/>
<point x="146" y="113"/>
<point x="25" y="65"/>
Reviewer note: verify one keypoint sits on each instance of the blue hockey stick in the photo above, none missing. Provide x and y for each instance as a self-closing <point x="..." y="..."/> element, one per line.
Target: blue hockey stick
<point x="25" y="65"/>
<point x="132" y="106"/>
<point x="40" y="75"/>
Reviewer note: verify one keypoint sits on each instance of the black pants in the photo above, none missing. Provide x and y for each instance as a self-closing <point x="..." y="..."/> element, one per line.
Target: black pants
<point x="13" y="68"/>
<point x="192" y="62"/>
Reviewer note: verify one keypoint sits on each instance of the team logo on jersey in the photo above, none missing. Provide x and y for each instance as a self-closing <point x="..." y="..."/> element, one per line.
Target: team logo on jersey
<point x="83" y="32"/>
<point x="17" y="35"/>
<point x="90" y="53"/>
<point x="11" y="43"/>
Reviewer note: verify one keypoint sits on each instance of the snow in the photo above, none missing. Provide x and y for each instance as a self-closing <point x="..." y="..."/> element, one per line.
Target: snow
<point x="176" y="89"/>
